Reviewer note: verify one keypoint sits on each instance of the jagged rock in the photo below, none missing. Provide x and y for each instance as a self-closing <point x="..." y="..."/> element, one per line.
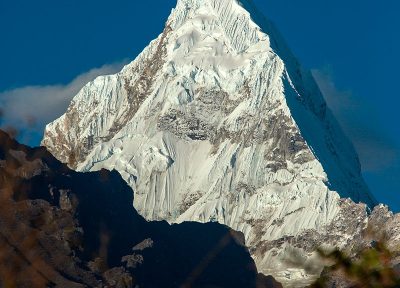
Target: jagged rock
<point x="147" y="243"/>
<point x="118" y="278"/>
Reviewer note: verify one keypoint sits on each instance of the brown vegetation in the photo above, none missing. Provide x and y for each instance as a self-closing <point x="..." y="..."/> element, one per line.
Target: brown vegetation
<point x="373" y="267"/>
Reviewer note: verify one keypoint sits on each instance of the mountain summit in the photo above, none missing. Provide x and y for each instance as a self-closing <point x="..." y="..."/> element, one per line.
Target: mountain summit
<point x="216" y="121"/>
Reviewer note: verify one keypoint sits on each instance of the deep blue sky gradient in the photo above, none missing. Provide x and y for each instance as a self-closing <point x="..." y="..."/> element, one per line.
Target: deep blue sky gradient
<point x="355" y="44"/>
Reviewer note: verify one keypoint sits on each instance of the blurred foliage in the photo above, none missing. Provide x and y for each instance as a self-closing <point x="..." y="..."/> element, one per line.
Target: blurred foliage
<point x="373" y="268"/>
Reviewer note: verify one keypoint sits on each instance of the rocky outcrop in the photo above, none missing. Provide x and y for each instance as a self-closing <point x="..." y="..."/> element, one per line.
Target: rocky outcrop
<point x="370" y="260"/>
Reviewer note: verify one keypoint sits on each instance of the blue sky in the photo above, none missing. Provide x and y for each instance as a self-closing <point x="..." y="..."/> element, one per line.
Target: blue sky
<point x="49" y="49"/>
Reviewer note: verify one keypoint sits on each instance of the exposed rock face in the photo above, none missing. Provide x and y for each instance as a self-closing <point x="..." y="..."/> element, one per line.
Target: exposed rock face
<point x="380" y="237"/>
<point x="216" y="121"/>
<point x="60" y="228"/>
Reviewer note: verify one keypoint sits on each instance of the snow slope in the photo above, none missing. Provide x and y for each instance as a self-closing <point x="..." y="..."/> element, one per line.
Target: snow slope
<point x="216" y="121"/>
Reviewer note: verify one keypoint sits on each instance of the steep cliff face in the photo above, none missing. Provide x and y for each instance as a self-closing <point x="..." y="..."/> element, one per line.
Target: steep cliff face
<point x="216" y="121"/>
<point x="63" y="228"/>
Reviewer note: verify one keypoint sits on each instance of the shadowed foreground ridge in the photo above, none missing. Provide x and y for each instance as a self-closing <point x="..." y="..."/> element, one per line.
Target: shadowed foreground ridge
<point x="60" y="228"/>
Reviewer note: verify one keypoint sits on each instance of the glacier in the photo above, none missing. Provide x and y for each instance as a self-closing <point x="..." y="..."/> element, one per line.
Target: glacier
<point x="216" y="120"/>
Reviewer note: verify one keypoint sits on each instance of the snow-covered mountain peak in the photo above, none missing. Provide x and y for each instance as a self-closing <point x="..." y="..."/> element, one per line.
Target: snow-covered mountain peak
<point x="216" y="121"/>
<point x="216" y="19"/>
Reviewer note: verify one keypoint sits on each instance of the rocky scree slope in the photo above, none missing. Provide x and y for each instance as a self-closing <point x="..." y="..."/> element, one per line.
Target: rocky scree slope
<point x="60" y="228"/>
<point x="216" y="121"/>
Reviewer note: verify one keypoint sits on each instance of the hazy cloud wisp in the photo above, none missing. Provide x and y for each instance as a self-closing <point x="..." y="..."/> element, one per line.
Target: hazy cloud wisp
<point x="30" y="108"/>
<point x="376" y="151"/>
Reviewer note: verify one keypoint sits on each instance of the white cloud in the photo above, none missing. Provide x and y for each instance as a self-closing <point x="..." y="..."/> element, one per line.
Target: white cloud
<point x="358" y="120"/>
<point x="30" y="108"/>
